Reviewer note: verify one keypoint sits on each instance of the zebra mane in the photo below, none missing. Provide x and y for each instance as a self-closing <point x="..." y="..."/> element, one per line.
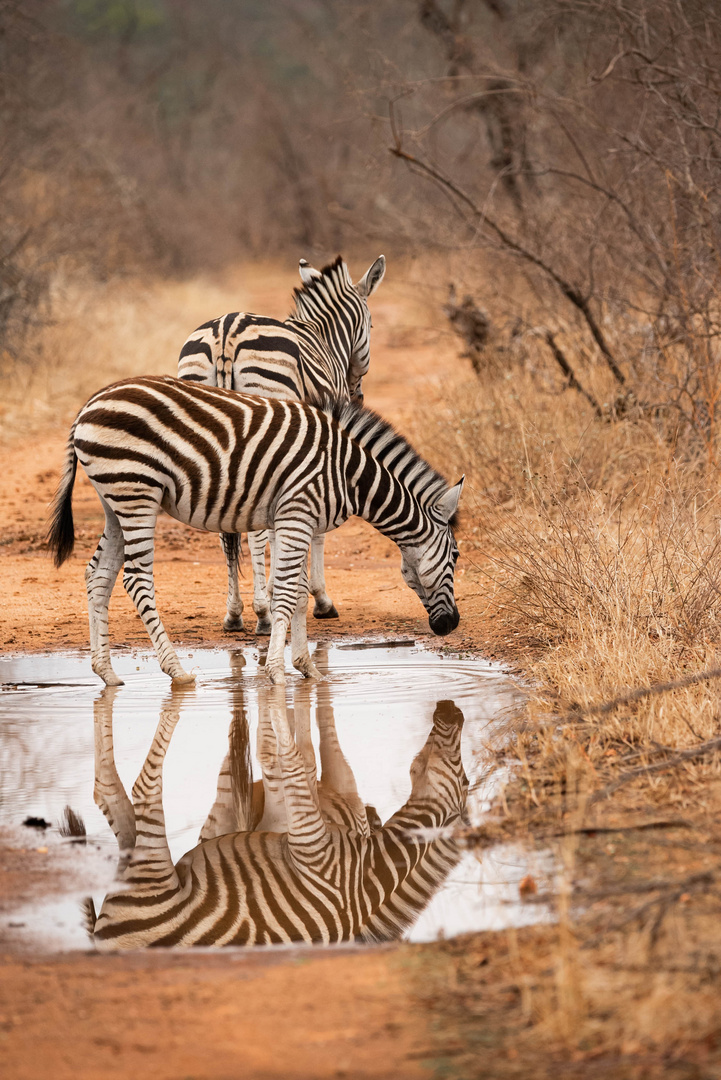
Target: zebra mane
<point x="388" y="446"/>
<point x="335" y="274"/>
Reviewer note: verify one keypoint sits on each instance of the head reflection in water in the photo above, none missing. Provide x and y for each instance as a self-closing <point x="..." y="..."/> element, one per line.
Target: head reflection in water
<point x="288" y="859"/>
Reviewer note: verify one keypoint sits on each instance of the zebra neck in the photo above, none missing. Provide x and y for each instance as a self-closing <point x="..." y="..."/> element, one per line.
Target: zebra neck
<point x="401" y="876"/>
<point x="388" y="483"/>
<point x="327" y="332"/>
<point x="381" y="498"/>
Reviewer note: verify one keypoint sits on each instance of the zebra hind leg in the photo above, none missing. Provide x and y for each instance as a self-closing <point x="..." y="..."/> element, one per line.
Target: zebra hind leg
<point x="100" y="577"/>
<point x="139" y="584"/>
<point x="323" y="608"/>
<point x="233" y="621"/>
<point x="109" y="794"/>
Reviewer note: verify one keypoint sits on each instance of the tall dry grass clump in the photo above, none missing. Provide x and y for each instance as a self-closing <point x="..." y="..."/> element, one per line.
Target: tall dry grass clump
<point x="599" y="538"/>
<point x="596" y="542"/>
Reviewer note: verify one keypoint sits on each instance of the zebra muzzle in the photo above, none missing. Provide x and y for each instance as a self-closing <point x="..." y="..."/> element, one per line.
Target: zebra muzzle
<point x="444" y="623"/>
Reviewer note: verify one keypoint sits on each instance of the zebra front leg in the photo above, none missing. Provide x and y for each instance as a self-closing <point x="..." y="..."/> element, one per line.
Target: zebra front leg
<point x="261" y="604"/>
<point x="152" y="862"/>
<point x="299" y="631"/>
<point x="138" y="531"/>
<point x="323" y="608"/>
<point x="291" y="558"/>
<point x="232" y="810"/>
<point x="100" y="577"/>
<point x="274" y="817"/>
<point x="303" y="739"/>
<point x="230" y="543"/>
<point x="308" y="834"/>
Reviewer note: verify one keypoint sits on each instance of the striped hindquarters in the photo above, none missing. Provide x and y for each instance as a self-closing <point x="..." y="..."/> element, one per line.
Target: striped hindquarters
<point x="212" y="459"/>
<point x="250" y="354"/>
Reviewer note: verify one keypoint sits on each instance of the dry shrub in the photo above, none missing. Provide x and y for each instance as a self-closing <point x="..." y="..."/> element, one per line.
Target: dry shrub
<point x="600" y="542"/>
<point x="597" y="541"/>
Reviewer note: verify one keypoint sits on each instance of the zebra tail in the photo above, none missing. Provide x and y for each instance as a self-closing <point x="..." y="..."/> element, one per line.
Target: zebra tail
<point x="61" y="531"/>
<point x="89" y="915"/>
<point x="232" y="547"/>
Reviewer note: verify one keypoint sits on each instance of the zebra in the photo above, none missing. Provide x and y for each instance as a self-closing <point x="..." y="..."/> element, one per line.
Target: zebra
<point x="226" y="462"/>
<point x="321" y="350"/>
<point x="304" y="865"/>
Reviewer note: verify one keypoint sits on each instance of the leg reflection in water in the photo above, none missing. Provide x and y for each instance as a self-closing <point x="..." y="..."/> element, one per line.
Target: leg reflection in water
<point x="290" y="859"/>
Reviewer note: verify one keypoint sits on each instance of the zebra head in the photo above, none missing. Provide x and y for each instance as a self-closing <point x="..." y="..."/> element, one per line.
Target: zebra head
<point x="437" y="774"/>
<point x="428" y="565"/>
<point x="330" y="298"/>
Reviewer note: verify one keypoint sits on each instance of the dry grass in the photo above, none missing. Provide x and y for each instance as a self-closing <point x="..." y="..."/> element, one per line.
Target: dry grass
<point x="598" y="544"/>
<point x="104" y="332"/>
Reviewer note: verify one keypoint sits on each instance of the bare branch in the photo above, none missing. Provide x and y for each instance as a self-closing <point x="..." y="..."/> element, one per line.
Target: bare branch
<point x="483" y="219"/>
<point x="570" y="375"/>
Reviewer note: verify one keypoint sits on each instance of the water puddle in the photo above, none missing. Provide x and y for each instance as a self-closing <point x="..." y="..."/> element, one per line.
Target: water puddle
<point x="327" y="853"/>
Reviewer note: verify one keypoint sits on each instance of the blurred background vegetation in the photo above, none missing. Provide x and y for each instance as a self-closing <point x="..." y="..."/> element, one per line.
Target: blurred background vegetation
<point x="570" y="148"/>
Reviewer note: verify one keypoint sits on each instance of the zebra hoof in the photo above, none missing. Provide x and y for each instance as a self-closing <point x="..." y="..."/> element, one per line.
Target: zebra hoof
<point x="307" y="668"/>
<point x="183" y="679"/>
<point x="263" y="625"/>
<point x="108" y="676"/>
<point x="331" y="613"/>
<point x="233" y="623"/>
<point x="276" y="675"/>
<point x="112" y="679"/>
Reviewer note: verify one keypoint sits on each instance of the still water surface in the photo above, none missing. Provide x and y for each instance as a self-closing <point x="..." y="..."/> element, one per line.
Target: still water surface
<point x="381" y="698"/>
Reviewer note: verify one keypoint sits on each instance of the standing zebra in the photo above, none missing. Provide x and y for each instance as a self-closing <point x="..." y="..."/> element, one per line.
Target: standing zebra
<point x="311" y="870"/>
<point x="227" y="462"/>
<point x="321" y="351"/>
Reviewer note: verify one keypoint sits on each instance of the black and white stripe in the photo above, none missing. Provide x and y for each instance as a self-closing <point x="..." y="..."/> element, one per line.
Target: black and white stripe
<point x="227" y="462"/>
<point x="321" y="351"/>
<point x="311" y="869"/>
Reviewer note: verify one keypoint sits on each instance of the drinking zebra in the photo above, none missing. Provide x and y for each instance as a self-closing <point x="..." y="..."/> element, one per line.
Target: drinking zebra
<point x="311" y="869"/>
<point x="227" y="462"/>
<point x="321" y="351"/>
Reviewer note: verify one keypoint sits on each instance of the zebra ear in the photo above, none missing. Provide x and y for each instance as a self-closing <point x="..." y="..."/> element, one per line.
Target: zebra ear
<point x="448" y="503"/>
<point x="372" y="278"/>
<point x="307" y="272"/>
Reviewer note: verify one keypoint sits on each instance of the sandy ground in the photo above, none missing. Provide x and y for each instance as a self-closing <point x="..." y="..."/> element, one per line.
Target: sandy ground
<point x="344" y="1013"/>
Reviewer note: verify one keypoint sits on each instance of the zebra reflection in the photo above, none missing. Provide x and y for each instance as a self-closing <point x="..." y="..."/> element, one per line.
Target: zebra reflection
<point x="291" y="858"/>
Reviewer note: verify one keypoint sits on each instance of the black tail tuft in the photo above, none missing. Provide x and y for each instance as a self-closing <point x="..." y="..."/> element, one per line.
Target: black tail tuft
<point x="72" y="826"/>
<point x="61" y="532"/>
